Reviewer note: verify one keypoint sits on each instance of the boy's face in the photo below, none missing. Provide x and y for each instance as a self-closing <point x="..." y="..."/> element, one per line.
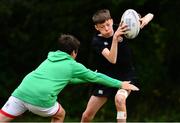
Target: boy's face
<point x="106" y="28"/>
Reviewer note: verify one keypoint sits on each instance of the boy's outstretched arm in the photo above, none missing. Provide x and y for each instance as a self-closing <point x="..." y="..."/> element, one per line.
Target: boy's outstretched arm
<point x="146" y="19"/>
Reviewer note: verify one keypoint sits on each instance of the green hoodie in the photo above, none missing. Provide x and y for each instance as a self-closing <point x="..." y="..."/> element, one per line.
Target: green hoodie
<point x="42" y="86"/>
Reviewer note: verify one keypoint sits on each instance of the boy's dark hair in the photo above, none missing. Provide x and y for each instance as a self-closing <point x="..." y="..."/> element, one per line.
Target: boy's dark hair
<point x="68" y="43"/>
<point x="101" y="16"/>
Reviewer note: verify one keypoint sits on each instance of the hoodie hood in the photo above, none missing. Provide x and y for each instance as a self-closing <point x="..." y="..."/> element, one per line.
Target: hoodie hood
<point x="58" y="56"/>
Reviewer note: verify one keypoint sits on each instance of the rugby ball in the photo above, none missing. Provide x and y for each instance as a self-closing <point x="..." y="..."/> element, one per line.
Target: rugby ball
<point x="131" y="18"/>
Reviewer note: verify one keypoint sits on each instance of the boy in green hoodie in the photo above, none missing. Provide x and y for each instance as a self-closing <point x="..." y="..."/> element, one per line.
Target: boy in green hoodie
<point x="39" y="89"/>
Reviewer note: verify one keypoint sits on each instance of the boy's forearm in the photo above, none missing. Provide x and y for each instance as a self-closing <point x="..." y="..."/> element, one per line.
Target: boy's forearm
<point x="149" y="17"/>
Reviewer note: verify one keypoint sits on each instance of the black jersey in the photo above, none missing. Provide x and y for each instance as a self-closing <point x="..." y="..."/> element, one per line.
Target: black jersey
<point x="123" y="69"/>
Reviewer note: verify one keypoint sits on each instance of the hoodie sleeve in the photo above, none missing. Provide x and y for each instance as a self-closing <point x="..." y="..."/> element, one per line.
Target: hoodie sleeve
<point x="83" y="75"/>
<point x="77" y="80"/>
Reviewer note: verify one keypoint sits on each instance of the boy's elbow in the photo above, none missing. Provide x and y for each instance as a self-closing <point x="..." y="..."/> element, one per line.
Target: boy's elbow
<point x="112" y="61"/>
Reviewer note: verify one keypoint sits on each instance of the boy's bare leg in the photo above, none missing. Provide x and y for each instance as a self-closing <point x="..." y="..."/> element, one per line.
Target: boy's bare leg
<point x="4" y="118"/>
<point x="120" y="102"/>
<point x="94" y="104"/>
<point x="59" y="116"/>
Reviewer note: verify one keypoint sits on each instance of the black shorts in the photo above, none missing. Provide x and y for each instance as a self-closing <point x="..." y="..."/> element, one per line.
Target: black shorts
<point x="104" y="91"/>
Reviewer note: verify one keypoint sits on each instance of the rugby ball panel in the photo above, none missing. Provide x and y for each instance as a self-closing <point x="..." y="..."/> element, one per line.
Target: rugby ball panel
<point x="131" y="18"/>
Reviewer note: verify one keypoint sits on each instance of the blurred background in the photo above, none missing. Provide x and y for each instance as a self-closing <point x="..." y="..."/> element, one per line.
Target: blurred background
<point x="29" y="30"/>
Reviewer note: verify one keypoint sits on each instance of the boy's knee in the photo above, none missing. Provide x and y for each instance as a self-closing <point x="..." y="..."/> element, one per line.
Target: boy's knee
<point x="121" y="96"/>
<point x="120" y="99"/>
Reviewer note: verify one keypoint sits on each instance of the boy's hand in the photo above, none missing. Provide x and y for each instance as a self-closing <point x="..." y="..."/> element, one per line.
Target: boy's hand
<point x="127" y="86"/>
<point x="145" y="20"/>
<point x="120" y="31"/>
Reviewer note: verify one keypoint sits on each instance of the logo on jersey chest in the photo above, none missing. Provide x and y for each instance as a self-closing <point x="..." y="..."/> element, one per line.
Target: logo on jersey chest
<point x="106" y="43"/>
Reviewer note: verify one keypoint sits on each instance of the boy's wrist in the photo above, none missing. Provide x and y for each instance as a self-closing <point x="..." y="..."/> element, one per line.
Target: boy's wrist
<point x="117" y="39"/>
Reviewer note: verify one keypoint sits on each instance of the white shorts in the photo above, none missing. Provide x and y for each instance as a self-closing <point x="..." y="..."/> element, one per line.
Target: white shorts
<point x="15" y="107"/>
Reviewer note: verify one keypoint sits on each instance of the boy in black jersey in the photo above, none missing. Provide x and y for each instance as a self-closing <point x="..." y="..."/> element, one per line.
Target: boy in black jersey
<point x="112" y="57"/>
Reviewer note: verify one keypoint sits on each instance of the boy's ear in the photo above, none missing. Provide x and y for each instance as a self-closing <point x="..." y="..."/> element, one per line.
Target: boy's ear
<point x="96" y="27"/>
<point x="74" y="54"/>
